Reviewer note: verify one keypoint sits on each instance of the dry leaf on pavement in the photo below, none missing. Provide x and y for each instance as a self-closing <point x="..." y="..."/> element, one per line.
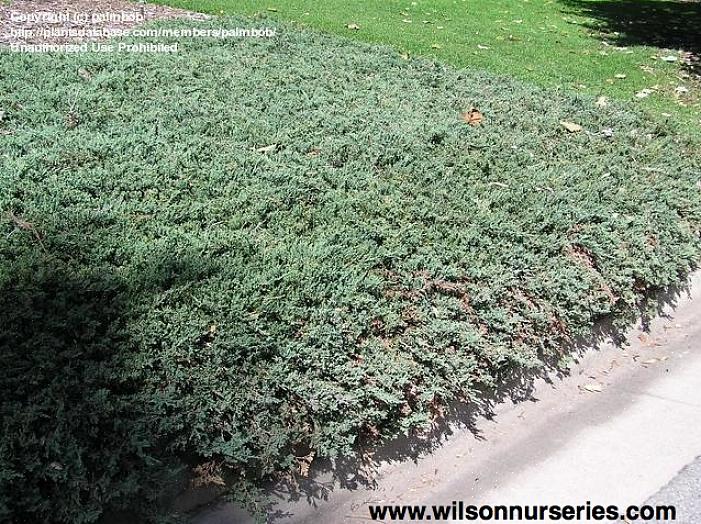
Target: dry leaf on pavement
<point x="594" y="387"/>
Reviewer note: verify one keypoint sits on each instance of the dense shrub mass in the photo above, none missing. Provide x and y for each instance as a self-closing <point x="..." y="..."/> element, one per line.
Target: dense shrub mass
<point x="259" y="249"/>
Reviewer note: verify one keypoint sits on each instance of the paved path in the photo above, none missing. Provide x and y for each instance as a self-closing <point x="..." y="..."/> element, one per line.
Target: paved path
<point x="684" y="492"/>
<point x="616" y="431"/>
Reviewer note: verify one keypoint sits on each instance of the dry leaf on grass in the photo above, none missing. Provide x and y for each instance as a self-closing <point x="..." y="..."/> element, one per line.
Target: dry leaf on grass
<point x="72" y="120"/>
<point x="473" y="117"/>
<point x="267" y="149"/>
<point x="84" y="74"/>
<point x="571" y="126"/>
<point x="644" y="93"/>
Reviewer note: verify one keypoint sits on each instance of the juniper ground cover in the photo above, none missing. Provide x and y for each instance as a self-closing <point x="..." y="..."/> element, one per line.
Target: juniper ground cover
<point x="256" y="253"/>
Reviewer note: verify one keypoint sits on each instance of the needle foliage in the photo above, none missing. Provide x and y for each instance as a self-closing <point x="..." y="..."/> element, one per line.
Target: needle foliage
<point x="259" y="250"/>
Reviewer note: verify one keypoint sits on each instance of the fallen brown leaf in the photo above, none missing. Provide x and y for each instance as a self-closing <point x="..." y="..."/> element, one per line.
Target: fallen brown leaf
<point x="267" y="149"/>
<point x="72" y="120"/>
<point x="305" y="463"/>
<point x="206" y="475"/>
<point x="84" y="74"/>
<point x="571" y="127"/>
<point x="644" y="93"/>
<point x="473" y="117"/>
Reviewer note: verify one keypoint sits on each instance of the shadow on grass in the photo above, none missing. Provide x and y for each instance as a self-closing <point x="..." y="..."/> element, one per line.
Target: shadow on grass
<point x="666" y="24"/>
<point x="517" y="386"/>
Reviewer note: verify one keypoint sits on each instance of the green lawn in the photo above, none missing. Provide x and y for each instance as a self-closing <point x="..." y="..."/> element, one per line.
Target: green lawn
<point x="582" y="45"/>
<point x="255" y="254"/>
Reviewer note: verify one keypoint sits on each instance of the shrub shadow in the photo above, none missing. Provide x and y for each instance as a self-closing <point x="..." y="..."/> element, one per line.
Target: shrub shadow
<point x="79" y="438"/>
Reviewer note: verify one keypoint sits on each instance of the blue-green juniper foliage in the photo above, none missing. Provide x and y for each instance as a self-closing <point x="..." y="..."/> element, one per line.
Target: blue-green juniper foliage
<point x="258" y="249"/>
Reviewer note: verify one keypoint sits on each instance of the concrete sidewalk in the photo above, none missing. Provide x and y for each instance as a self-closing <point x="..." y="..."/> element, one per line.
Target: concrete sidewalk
<point x="615" y="431"/>
<point x="683" y="492"/>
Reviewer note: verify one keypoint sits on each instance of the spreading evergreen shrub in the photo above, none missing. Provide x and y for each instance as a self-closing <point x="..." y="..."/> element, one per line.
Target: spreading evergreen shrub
<point x="258" y="250"/>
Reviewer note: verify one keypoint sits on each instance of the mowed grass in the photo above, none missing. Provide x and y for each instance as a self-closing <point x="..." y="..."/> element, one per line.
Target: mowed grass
<point x="256" y="254"/>
<point x="612" y="48"/>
